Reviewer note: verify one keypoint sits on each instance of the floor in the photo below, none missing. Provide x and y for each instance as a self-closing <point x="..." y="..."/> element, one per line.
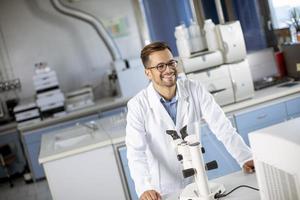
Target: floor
<point x="21" y="190"/>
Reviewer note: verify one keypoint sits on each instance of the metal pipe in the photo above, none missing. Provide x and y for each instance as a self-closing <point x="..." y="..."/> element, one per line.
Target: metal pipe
<point x="96" y="24"/>
<point x="198" y="12"/>
<point x="220" y="11"/>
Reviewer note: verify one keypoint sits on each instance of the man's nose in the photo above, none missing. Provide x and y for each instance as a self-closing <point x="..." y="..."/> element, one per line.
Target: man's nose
<point x="169" y="69"/>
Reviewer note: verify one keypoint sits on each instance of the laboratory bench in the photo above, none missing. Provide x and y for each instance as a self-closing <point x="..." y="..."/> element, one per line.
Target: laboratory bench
<point x="267" y="107"/>
<point x="230" y="182"/>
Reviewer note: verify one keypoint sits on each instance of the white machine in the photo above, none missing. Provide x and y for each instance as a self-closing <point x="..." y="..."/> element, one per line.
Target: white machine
<point x="218" y="82"/>
<point x="27" y="112"/>
<point x="228" y="83"/>
<point x="225" y="72"/>
<point x="131" y="77"/>
<point x="189" y="154"/>
<point x="80" y="99"/>
<point x="231" y="41"/>
<point x="276" y="151"/>
<point x="202" y="61"/>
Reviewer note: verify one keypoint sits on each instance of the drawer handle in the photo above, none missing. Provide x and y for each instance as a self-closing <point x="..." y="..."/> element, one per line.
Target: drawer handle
<point x="262" y="116"/>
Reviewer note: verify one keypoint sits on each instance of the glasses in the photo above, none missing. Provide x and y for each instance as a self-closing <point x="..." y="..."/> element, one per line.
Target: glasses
<point x="161" y="67"/>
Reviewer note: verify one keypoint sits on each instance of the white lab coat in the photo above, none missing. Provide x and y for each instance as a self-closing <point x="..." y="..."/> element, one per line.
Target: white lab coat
<point x="151" y="157"/>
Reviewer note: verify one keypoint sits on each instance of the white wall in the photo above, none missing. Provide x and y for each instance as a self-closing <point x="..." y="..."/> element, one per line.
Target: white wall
<point x="34" y="31"/>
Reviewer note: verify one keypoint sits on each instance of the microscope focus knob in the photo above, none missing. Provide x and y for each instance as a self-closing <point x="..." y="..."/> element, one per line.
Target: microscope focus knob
<point x="179" y="157"/>
<point x="188" y="172"/>
<point x="202" y="150"/>
<point x="211" y="165"/>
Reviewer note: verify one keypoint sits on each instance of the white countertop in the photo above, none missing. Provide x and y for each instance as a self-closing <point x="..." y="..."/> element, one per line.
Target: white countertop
<point x="230" y="182"/>
<point x="70" y="141"/>
<point x="100" y="106"/>
<point x="263" y="96"/>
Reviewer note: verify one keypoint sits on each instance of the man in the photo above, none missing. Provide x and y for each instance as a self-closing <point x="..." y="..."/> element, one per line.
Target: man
<point x="170" y="104"/>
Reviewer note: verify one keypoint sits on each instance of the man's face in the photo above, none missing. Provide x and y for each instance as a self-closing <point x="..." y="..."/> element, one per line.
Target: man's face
<point x="166" y="78"/>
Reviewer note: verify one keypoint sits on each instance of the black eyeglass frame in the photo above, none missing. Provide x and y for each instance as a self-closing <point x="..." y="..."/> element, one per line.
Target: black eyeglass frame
<point x="164" y="67"/>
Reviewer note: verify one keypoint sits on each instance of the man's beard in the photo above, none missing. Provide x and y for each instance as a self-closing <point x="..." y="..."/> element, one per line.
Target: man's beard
<point x="168" y="84"/>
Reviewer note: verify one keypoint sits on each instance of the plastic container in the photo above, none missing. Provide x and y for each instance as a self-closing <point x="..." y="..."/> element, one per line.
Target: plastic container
<point x="182" y="41"/>
<point x="197" y="40"/>
<point x="211" y="35"/>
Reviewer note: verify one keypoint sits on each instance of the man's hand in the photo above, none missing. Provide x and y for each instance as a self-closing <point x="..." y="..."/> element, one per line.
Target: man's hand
<point x="248" y="167"/>
<point x="150" y="195"/>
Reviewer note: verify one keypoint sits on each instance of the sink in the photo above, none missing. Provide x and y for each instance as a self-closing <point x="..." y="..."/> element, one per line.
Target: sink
<point x="72" y="137"/>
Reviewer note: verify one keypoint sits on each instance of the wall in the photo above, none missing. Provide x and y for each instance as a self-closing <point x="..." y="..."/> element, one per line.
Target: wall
<point x="34" y="31"/>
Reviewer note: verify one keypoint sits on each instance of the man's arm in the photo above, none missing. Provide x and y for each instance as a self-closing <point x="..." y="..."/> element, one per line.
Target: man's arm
<point x="223" y="129"/>
<point x="136" y="146"/>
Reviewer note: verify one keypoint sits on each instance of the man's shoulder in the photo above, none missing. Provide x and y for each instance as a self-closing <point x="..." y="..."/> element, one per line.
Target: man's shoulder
<point x="188" y="83"/>
<point x="139" y="97"/>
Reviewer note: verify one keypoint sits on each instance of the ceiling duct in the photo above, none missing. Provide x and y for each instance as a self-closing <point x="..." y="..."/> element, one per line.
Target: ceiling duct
<point x="96" y="24"/>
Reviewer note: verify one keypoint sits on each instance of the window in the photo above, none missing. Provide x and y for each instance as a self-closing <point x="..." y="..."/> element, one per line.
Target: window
<point x="280" y="12"/>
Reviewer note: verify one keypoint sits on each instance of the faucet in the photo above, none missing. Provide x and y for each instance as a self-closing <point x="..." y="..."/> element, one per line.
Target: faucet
<point x="91" y="125"/>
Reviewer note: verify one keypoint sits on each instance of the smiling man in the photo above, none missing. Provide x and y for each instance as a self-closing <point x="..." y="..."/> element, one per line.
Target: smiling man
<point x="170" y="104"/>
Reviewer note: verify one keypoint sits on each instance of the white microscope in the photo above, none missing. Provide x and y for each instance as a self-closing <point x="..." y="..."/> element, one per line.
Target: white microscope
<point x="189" y="153"/>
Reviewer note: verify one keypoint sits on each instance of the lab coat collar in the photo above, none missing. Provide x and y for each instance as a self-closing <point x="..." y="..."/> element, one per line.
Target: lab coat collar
<point x="182" y="105"/>
<point x="154" y="96"/>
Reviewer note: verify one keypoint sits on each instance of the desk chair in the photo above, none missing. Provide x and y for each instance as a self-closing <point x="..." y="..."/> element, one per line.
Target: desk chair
<point x="6" y="159"/>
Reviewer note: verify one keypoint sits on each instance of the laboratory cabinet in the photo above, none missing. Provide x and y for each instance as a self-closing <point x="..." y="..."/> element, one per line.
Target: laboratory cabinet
<point x="122" y="152"/>
<point x="215" y="150"/>
<point x="12" y="139"/>
<point x="247" y="122"/>
<point x="32" y="143"/>
<point x="293" y="108"/>
<point x="92" y="174"/>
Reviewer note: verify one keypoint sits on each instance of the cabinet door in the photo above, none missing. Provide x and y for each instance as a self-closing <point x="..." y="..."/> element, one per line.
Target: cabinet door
<point x="293" y="108"/>
<point x="260" y="118"/>
<point x="122" y="151"/>
<point x="215" y="150"/>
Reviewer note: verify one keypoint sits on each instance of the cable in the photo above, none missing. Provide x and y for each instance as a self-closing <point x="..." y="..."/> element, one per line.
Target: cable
<point x="218" y="195"/>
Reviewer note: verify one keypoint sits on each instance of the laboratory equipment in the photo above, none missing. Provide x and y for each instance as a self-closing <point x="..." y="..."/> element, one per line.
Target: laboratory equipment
<point x="224" y="69"/>
<point x="211" y="35"/>
<point x="228" y="83"/>
<point x="183" y="41"/>
<point x="276" y="151"/>
<point x="218" y="82"/>
<point x="231" y="41"/>
<point x="80" y="99"/>
<point x="241" y="79"/>
<point x="189" y="153"/>
<point x="202" y="61"/>
<point x="197" y="39"/>
<point x="130" y="76"/>
<point x="27" y="112"/>
<point x="292" y="59"/>
<point x="49" y="97"/>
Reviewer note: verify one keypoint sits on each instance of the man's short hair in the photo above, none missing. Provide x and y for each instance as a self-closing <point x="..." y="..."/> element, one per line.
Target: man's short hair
<point x="152" y="47"/>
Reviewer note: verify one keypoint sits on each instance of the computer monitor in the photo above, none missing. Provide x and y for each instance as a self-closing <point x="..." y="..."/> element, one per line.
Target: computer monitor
<point x="276" y="154"/>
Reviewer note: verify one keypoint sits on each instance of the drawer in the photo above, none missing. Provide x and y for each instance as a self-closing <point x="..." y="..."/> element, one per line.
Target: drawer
<point x="293" y="106"/>
<point x="261" y="116"/>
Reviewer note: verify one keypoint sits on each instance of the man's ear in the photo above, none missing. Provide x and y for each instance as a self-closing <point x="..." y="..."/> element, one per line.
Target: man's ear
<point x="148" y="74"/>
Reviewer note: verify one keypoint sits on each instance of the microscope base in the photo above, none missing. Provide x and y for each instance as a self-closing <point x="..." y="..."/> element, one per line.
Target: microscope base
<point x="190" y="192"/>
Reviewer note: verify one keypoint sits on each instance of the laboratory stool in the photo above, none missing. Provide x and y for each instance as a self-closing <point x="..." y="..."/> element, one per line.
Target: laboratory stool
<point x="6" y="159"/>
